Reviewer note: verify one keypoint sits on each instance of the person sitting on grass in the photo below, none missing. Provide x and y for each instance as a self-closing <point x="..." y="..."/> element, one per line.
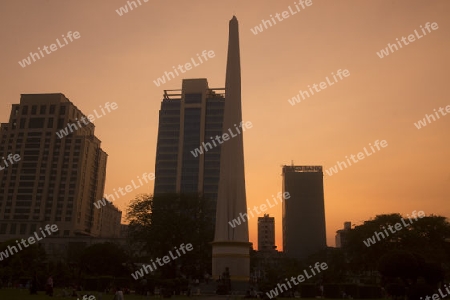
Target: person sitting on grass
<point x="119" y="294"/>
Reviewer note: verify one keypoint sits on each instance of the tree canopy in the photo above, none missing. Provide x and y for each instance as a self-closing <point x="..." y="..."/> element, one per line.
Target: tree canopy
<point x="425" y="236"/>
<point x="104" y="259"/>
<point x="159" y="224"/>
<point x="20" y="264"/>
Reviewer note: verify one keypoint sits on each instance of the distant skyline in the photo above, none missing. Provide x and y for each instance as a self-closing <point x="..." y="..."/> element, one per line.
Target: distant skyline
<point x="117" y="58"/>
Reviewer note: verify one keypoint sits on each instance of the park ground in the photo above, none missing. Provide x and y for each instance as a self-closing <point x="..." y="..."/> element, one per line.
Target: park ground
<point x="23" y="294"/>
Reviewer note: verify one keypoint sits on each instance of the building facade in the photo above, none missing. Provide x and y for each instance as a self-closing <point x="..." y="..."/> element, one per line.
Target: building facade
<point x="303" y="213"/>
<point x="110" y="218"/>
<point x="58" y="177"/>
<point x="266" y="233"/>
<point x="187" y="158"/>
<point x="341" y="235"/>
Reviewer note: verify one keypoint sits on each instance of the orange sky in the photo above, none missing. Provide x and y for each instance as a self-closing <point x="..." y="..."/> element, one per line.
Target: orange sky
<point x="117" y="58"/>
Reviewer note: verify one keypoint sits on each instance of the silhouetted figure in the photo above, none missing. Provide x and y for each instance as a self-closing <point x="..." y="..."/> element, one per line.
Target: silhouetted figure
<point x="49" y="286"/>
<point x="224" y="283"/>
<point x="119" y="294"/>
<point x="188" y="293"/>
<point x="33" y="288"/>
<point x="74" y="292"/>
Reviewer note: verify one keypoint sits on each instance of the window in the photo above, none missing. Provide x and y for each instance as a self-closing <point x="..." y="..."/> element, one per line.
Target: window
<point x="24" y="110"/>
<point x="33" y="109"/>
<point x="60" y="123"/>
<point x="23" y="228"/>
<point x="52" y="109"/>
<point x="12" y="229"/>
<point x="3" y="228"/>
<point x="62" y="110"/>
<point x="193" y="98"/>
<point x="42" y="110"/>
<point x="37" y="123"/>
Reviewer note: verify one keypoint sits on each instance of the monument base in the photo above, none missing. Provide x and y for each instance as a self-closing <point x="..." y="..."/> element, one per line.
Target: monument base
<point x="232" y="255"/>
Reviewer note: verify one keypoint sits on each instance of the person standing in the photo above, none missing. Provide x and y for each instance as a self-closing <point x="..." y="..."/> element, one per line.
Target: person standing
<point x="33" y="288"/>
<point x="50" y="286"/>
<point x="119" y="294"/>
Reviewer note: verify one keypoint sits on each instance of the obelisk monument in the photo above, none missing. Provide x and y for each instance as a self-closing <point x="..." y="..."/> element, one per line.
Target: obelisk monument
<point x="231" y="247"/>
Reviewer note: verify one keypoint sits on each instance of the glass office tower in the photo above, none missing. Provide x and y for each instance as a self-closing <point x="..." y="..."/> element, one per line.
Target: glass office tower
<point x="187" y="159"/>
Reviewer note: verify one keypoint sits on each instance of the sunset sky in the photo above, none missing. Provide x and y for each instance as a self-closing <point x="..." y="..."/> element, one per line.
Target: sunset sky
<point x="117" y="58"/>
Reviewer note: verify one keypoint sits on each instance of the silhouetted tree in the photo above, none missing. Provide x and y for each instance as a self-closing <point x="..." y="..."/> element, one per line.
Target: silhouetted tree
<point x="425" y="236"/>
<point x="104" y="259"/>
<point x="21" y="264"/>
<point x="159" y="224"/>
<point x="400" y="264"/>
<point x="406" y="273"/>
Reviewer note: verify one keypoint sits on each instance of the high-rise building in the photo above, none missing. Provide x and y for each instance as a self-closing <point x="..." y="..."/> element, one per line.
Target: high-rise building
<point x="341" y="235"/>
<point x="303" y="213"/>
<point x="58" y="177"/>
<point x="266" y="233"/>
<point x="187" y="157"/>
<point x="110" y="221"/>
<point x="231" y="246"/>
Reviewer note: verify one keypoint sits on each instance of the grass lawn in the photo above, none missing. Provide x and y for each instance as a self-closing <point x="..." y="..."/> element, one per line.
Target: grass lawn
<point x="23" y="294"/>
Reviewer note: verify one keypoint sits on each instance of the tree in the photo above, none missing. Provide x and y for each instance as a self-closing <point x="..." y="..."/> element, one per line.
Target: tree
<point x="411" y="258"/>
<point x="159" y="224"/>
<point x="401" y="270"/>
<point x="104" y="259"/>
<point x="21" y="264"/>
<point x="400" y="264"/>
<point x="425" y="236"/>
<point x="336" y="262"/>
